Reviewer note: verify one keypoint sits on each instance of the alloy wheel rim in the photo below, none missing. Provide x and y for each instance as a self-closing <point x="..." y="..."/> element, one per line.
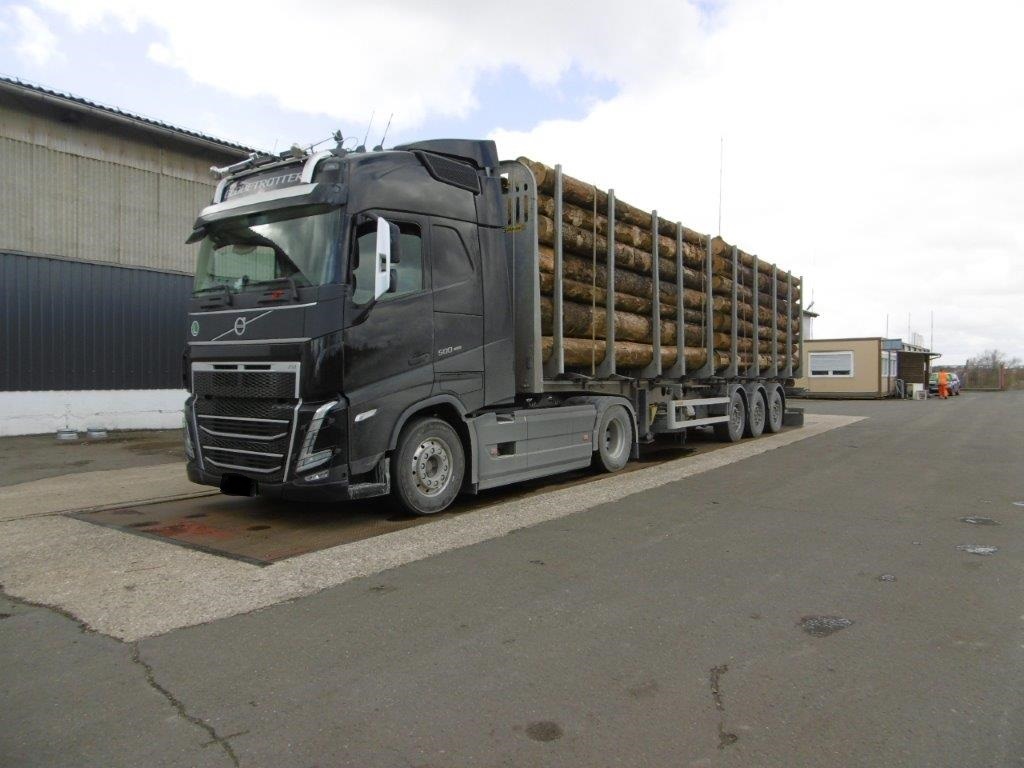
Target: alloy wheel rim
<point x="759" y="413"/>
<point x="737" y="415"/>
<point x="613" y="438"/>
<point x="432" y="466"/>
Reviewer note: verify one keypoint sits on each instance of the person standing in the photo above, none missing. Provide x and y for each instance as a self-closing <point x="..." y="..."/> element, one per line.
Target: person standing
<point x="943" y="385"/>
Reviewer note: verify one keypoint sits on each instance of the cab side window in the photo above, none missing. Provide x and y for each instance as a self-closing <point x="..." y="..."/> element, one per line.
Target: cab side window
<point x="409" y="270"/>
<point x="451" y="261"/>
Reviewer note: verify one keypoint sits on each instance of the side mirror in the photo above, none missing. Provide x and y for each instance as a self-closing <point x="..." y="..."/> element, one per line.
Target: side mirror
<point x="393" y="287"/>
<point x="382" y="261"/>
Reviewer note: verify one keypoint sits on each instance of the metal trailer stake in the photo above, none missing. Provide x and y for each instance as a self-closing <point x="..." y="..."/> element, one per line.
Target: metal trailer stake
<point x="708" y="369"/>
<point x="606" y="369"/>
<point x="788" y="372"/>
<point x="734" y="353"/>
<point x="800" y="318"/>
<point x="555" y="365"/>
<point x="653" y="369"/>
<point x="774" y="370"/>
<point x="678" y="369"/>
<point x="755" y="371"/>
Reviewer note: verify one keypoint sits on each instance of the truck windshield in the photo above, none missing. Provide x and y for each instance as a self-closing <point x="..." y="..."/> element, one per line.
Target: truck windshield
<point x="244" y="253"/>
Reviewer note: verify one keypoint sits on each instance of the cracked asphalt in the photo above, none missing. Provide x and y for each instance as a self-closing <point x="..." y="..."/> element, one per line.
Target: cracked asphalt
<point x="733" y="618"/>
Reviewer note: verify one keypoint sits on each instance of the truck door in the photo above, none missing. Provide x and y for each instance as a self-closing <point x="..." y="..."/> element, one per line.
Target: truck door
<point x="388" y="357"/>
<point x="458" y="311"/>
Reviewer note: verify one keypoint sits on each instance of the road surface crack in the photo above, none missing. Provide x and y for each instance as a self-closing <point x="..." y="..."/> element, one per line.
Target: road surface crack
<point x="179" y="706"/>
<point x="84" y="628"/>
<point x="725" y="738"/>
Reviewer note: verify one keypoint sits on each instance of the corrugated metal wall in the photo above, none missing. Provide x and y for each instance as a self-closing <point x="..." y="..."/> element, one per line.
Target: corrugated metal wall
<point x="74" y="325"/>
<point x="96" y="210"/>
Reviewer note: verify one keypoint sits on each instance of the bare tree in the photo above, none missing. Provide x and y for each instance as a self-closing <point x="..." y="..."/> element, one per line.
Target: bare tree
<point x="993" y="358"/>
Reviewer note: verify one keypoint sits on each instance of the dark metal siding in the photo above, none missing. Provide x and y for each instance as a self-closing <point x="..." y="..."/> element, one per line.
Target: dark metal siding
<point x="78" y="325"/>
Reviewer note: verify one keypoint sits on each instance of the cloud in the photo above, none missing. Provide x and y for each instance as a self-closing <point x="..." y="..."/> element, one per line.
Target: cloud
<point x="34" y="43"/>
<point x="418" y="60"/>
<point x="875" y="147"/>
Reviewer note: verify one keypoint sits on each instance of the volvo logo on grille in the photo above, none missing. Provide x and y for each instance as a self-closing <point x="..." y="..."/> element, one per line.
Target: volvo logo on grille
<point x="241" y="324"/>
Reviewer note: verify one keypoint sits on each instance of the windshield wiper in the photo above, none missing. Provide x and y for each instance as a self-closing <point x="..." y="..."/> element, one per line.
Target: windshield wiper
<point x="222" y="288"/>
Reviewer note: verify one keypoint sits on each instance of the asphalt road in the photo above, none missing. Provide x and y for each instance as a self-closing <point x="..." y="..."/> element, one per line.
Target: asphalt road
<point x="737" y="617"/>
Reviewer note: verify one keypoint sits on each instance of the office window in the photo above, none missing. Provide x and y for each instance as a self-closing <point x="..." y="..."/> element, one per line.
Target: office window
<point x="831" y="363"/>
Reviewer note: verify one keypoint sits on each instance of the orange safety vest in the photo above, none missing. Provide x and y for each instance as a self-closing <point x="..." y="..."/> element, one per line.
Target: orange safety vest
<point x="943" y="379"/>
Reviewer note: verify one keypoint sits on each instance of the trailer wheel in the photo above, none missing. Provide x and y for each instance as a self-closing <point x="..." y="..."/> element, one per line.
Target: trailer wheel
<point x="614" y="439"/>
<point x="427" y="467"/>
<point x="773" y="423"/>
<point x="757" y="413"/>
<point x="732" y="430"/>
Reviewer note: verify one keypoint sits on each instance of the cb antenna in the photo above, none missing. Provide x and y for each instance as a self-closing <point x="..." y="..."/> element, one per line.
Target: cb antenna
<point x="362" y="147"/>
<point x="380" y="146"/>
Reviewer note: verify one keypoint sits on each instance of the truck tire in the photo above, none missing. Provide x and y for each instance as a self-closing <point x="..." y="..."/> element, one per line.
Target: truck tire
<point x="614" y="439"/>
<point x="757" y="414"/>
<point x="427" y="466"/>
<point x="732" y="430"/>
<point x="773" y="422"/>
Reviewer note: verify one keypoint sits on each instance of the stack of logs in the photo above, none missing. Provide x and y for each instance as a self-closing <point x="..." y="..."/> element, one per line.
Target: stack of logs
<point x="584" y="277"/>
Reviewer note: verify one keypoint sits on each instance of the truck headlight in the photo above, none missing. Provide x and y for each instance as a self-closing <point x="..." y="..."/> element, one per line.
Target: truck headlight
<point x="307" y="458"/>
<point x="190" y="450"/>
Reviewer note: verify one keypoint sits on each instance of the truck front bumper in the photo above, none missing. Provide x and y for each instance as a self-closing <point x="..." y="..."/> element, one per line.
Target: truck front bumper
<point x="337" y="486"/>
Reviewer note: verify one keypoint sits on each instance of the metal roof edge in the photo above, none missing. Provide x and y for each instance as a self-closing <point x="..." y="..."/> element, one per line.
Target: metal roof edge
<point x="116" y="115"/>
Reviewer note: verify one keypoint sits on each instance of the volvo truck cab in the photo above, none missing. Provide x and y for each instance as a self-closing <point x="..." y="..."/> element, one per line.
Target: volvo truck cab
<point x="338" y="322"/>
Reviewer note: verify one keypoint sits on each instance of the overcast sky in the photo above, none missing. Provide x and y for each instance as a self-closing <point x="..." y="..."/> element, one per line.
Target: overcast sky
<point x="877" y="148"/>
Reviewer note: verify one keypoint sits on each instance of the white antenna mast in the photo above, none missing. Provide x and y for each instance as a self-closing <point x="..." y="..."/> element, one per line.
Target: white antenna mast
<point x="721" y="163"/>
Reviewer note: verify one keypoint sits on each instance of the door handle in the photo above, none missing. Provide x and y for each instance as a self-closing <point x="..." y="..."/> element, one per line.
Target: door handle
<point x="419" y="359"/>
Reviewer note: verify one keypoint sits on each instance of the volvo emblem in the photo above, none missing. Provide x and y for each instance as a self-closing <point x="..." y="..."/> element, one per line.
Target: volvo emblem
<point x="239" y="325"/>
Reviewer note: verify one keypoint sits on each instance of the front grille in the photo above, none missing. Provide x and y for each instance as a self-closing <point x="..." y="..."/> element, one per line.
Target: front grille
<point x="210" y="405"/>
<point x="245" y="383"/>
<point x="245" y="416"/>
<point x="270" y="429"/>
<point x="262" y="464"/>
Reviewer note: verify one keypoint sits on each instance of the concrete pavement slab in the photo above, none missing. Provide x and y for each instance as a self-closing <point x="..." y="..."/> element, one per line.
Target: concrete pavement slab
<point x="129" y="587"/>
<point x="91" y="490"/>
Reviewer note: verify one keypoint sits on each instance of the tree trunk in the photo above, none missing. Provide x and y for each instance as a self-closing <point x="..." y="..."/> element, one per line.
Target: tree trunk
<point x="580" y="353"/>
<point x="585" y="195"/>
<point x="580" y="321"/>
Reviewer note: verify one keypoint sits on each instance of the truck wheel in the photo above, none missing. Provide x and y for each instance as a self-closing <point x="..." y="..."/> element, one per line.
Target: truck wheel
<point x="756" y="415"/>
<point x="427" y="467"/>
<point x="773" y="423"/>
<point x="732" y="430"/>
<point x="614" y="439"/>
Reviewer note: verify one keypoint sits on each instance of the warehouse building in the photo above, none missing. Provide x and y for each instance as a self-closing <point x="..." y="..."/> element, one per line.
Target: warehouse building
<point x="871" y="367"/>
<point x="95" y="206"/>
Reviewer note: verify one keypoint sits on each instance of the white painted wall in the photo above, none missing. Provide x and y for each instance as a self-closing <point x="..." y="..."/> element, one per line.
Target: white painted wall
<point x="35" y="413"/>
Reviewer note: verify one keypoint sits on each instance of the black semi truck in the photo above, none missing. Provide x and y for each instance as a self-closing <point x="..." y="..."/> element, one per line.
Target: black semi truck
<point x="369" y="323"/>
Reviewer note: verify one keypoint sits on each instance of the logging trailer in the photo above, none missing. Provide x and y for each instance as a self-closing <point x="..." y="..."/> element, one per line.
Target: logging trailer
<point x="369" y="323"/>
